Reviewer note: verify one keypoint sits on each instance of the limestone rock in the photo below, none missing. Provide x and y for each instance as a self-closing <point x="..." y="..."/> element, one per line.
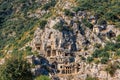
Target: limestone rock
<point x="63" y="48"/>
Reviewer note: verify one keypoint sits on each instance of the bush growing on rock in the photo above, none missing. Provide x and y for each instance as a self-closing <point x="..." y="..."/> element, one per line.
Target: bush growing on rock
<point x="108" y="9"/>
<point x="118" y="24"/>
<point x="58" y="26"/>
<point x="104" y="60"/>
<point x="68" y="12"/>
<point x="100" y="53"/>
<point x="118" y="38"/>
<point x="118" y="53"/>
<point x="97" y="45"/>
<point x="50" y="4"/>
<point x="42" y="24"/>
<point x="87" y="23"/>
<point x="89" y="59"/>
<point x="42" y="77"/>
<point x="102" y="22"/>
<point x="91" y="78"/>
<point x="111" y="68"/>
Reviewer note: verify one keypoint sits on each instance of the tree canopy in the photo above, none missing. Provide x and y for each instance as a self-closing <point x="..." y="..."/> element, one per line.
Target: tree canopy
<point x="15" y="69"/>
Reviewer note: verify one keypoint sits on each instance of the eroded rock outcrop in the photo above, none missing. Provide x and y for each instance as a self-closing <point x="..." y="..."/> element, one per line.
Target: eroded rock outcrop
<point x="63" y="41"/>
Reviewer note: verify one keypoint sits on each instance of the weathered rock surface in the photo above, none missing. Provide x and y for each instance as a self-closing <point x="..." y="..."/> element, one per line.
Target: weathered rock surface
<point x="63" y="48"/>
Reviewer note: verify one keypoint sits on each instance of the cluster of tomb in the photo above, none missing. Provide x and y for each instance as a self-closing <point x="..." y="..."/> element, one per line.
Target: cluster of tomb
<point x="63" y="61"/>
<point x="62" y="49"/>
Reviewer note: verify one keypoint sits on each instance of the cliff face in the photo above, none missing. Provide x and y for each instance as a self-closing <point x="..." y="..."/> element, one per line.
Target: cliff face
<point x="65" y="39"/>
<point x="73" y="36"/>
<point x="66" y="43"/>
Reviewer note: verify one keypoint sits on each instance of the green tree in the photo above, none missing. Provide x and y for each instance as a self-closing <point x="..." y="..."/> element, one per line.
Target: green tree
<point x="111" y="68"/>
<point x="68" y="12"/>
<point x="89" y="59"/>
<point x="50" y="4"/>
<point x="91" y="78"/>
<point x="87" y="23"/>
<point x="118" y="38"/>
<point x="58" y="26"/>
<point x="42" y="24"/>
<point x="104" y="60"/>
<point x="118" y="53"/>
<point x="15" y="69"/>
<point x="42" y="77"/>
<point x="101" y="22"/>
<point x="28" y="51"/>
<point x="100" y="53"/>
<point x="117" y="24"/>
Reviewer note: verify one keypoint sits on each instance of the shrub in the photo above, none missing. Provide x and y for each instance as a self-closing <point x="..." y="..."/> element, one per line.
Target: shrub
<point x="58" y="26"/>
<point x="104" y="60"/>
<point x="68" y="12"/>
<point x="47" y="15"/>
<point x="89" y="59"/>
<point x="111" y="69"/>
<point x="110" y="46"/>
<point x="76" y="9"/>
<point x="118" y="53"/>
<point x="118" y="38"/>
<point x="91" y="78"/>
<point x="117" y="24"/>
<point x="96" y="53"/>
<point x="87" y="23"/>
<point x="42" y="24"/>
<point x="28" y="50"/>
<point x="43" y="77"/>
<point x="50" y="4"/>
<point x="108" y="10"/>
<point x="97" y="45"/>
<point x="111" y="16"/>
<point x="83" y="58"/>
<point x="15" y="69"/>
<point x="100" y="53"/>
<point x="101" y="22"/>
<point x="1" y="55"/>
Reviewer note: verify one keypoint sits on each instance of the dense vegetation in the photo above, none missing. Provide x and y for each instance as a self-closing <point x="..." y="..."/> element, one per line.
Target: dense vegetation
<point x="104" y="9"/>
<point x="59" y="26"/>
<point x="103" y="54"/>
<point x="16" y="25"/>
<point x="17" y="28"/>
<point x="87" y="23"/>
<point x="42" y="24"/>
<point x="111" y="68"/>
<point x="50" y="4"/>
<point x="91" y="78"/>
<point x="68" y="13"/>
<point x="43" y="77"/>
<point x="15" y="69"/>
<point x="109" y="51"/>
<point x="14" y="21"/>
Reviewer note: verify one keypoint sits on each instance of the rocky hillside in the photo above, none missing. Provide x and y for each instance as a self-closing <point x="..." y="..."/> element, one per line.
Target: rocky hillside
<point x="91" y="44"/>
<point x="87" y="30"/>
